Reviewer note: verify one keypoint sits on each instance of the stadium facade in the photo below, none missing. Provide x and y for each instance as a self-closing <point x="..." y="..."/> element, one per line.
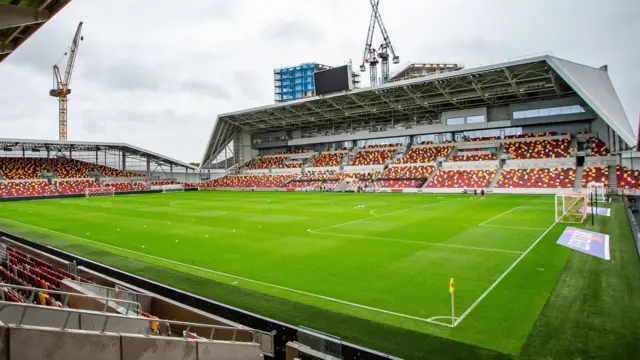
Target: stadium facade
<point x="472" y="119"/>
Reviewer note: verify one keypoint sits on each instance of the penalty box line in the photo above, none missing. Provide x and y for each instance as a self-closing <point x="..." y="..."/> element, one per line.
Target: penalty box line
<point x="486" y="223"/>
<point x="383" y="215"/>
<point x="235" y="276"/>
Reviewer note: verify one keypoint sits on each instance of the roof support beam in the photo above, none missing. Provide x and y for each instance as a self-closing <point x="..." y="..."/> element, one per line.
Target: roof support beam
<point x="509" y="76"/>
<point x="11" y="16"/>
<point x="555" y="83"/>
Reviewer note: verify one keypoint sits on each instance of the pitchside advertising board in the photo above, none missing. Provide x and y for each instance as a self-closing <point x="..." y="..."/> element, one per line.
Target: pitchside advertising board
<point x="588" y="242"/>
<point x="333" y="80"/>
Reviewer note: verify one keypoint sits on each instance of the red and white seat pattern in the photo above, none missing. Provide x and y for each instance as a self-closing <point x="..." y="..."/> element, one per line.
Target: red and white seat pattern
<point x="628" y="179"/>
<point x="373" y="157"/>
<point x="462" y="179"/>
<point x="473" y="157"/>
<point x="250" y="181"/>
<point x="25" y="188"/>
<point x="267" y="163"/>
<point x="599" y="174"/>
<point x="538" y="149"/>
<point x="328" y="159"/>
<point x="407" y="172"/>
<point x="553" y="178"/>
<point x="75" y="186"/>
<point x="22" y="168"/>
<point x="598" y="148"/>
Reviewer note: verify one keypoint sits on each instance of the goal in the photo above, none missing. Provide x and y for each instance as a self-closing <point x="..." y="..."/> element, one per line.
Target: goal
<point x="595" y="191"/>
<point x="172" y="188"/>
<point x="98" y="191"/>
<point x="570" y="207"/>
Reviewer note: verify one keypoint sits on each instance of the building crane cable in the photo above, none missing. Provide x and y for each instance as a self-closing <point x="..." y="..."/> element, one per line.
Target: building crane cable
<point x="371" y="54"/>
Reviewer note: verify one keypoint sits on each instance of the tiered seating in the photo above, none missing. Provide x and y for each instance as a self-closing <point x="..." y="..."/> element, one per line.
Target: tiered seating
<point x="599" y="174"/>
<point x="267" y="163"/>
<point x="75" y="186"/>
<point x="598" y="148"/>
<point x="111" y="172"/>
<point x="407" y="172"/>
<point x="328" y="159"/>
<point x="383" y="146"/>
<point x="627" y="178"/>
<point x="425" y="155"/>
<point x="71" y="168"/>
<point x="22" y="168"/>
<point x="164" y="182"/>
<point x="554" y="178"/>
<point x="473" y="157"/>
<point x="397" y="184"/>
<point x="373" y="157"/>
<point x="315" y="175"/>
<point x="486" y="138"/>
<point x="358" y="175"/>
<point x="122" y="187"/>
<point x="305" y="184"/>
<point x="538" y="149"/>
<point x="293" y="165"/>
<point x="193" y="185"/>
<point x="532" y="135"/>
<point x="468" y="179"/>
<point x="250" y="181"/>
<point x="25" y="188"/>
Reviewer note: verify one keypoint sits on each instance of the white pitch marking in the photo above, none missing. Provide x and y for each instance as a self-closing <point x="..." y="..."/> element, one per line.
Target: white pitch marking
<point x="419" y="242"/>
<point x="497" y="216"/>
<point x="514" y="227"/>
<point x="372" y="212"/>
<point x="232" y="276"/>
<point x="504" y="274"/>
<point x="377" y="216"/>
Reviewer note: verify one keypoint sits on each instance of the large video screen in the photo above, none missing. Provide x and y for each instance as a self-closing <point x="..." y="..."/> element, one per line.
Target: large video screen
<point x="332" y="80"/>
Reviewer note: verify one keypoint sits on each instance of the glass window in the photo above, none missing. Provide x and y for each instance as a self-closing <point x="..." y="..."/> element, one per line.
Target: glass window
<point x="544" y="112"/>
<point x="576" y="109"/>
<point x="531" y="113"/>
<point x="475" y="119"/>
<point x="455" y="121"/>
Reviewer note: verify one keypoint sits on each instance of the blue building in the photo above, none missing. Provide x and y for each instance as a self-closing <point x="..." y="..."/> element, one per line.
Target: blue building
<point x="295" y="82"/>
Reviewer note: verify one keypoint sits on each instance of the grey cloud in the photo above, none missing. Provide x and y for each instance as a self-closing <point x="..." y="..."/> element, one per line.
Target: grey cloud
<point x="207" y="88"/>
<point x="293" y="31"/>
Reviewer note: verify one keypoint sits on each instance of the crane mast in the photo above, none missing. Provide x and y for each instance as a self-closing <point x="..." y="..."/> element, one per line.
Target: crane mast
<point x="62" y="84"/>
<point x="384" y="51"/>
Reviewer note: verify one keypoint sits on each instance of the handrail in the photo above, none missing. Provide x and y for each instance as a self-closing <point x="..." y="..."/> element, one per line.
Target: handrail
<point x="255" y="334"/>
<point x="68" y="294"/>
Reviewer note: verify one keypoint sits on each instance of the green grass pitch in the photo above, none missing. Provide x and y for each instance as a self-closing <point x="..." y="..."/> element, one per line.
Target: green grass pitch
<point x="359" y="266"/>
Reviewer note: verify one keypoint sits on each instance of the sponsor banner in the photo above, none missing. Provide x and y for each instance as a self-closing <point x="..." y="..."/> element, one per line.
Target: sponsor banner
<point x="600" y="211"/>
<point x="588" y="242"/>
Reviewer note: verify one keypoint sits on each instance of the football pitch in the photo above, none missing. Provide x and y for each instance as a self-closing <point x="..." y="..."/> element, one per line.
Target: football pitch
<point x="371" y="258"/>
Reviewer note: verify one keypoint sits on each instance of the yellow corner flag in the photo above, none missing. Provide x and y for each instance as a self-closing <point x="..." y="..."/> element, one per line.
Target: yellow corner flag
<point x="451" y="287"/>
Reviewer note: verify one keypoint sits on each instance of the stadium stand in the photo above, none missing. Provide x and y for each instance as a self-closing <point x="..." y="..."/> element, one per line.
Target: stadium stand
<point x="628" y="179"/>
<point x="598" y="147"/>
<point x="407" y="172"/>
<point x="164" y="182"/>
<point x="126" y="187"/>
<point x="75" y="186"/>
<point x="538" y="149"/>
<point x="397" y="184"/>
<point x="599" y="174"/>
<point x="22" y="168"/>
<point x="250" y="181"/>
<point x="560" y="178"/>
<point x="267" y="163"/>
<point x="473" y="157"/>
<point x="422" y="155"/>
<point x="328" y="159"/>
<point x="373" y="157"/>
<point x="71" y="168"/>
<point x="292" y="165"/>
<point x="9" y="189"/>
<point x="111" y="172"/>
<point x="531" y="135"/>
<point x="463" y="179"/>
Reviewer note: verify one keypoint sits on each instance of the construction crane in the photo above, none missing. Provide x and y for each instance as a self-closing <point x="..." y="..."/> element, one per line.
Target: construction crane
<point x="62" y="84"/>
<point x="384" y="51"/>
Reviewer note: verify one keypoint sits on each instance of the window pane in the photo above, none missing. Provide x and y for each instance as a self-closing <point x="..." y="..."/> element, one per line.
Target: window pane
<point x="455" y="121"/>
<point x="554" y="111"/>
<point x="532" y="113"/>
<point x="475" y="119"/>
<point x="544" y="112"/>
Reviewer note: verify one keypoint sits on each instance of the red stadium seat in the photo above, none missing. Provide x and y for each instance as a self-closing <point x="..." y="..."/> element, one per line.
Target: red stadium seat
<point x="462" y="179"/>
<point x="554" y="178"/>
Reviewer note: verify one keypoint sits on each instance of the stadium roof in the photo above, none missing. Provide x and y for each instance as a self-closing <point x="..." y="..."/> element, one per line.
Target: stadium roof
<point x="424" y="99"/>
<point x="55" y="145"/>
<point x="19" y="19"/>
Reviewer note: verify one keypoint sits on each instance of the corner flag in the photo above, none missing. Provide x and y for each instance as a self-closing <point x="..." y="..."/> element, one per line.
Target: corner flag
<point x="451" y="287"/>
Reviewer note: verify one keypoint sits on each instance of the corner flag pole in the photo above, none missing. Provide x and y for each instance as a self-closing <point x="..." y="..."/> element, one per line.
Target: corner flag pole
<point x="453" y="311"/>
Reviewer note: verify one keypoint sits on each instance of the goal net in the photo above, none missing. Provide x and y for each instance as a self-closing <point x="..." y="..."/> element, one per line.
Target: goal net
<point x="172" y="188"/>
<point x="99" y="191"/>
<point x="595" y="191"/>
<point x="570" y="207"/>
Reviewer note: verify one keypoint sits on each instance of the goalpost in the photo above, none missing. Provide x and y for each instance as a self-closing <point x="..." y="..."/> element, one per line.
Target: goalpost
<point x="595" y="191"/>
<point x="570" y="207"/>
<point x="172" y="188"/>
<point x="99" y="191"/>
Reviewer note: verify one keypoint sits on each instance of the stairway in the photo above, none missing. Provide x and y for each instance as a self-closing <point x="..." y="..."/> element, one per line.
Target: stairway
<point x="433" y="174"/>
<point x="613" y="177"/>
<point x="342" y="186"/>
<point x="577" y="185"/>
<point x="54" y="186"/>
<point x="495" y="179"/>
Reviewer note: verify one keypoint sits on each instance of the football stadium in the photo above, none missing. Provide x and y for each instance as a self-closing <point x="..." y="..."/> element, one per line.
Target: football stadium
<point x="474" y="213"/>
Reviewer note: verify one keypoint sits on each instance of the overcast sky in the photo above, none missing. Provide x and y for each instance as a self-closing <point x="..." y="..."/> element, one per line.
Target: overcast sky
<point x="157" y="76"/>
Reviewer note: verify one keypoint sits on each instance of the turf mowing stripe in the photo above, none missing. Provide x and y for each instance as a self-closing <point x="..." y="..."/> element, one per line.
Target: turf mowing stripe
<point x="502" y="276"/>
<point x="234" y="276"/>
<point x="417" y="242"/>
<point x="497" y="216"/>
<point x="377" y="216"/>
<point x="514" y="227"/>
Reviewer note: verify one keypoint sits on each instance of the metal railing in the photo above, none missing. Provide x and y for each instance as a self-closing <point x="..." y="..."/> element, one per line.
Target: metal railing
<point x="256" y="335"/>
<point x="67" y="295"/>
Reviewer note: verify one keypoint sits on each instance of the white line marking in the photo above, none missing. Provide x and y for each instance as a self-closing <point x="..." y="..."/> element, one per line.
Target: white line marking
<point x="418" y="242"/>
<point x="504" y="274"/>
<point x="232" y="276"/>
<point x="371" y="212"/>
<point x="514" y="227"/>
<point x="497" y="216"/>
<point x="377" y="216"/>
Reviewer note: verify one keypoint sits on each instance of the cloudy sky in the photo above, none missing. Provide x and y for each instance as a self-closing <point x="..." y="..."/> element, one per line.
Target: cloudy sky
<point x="157" y="76"/>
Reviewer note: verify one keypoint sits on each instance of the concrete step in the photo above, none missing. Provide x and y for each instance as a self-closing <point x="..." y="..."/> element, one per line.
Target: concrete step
<point x="495" y="179"/>
<point x="578" y="182"/>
